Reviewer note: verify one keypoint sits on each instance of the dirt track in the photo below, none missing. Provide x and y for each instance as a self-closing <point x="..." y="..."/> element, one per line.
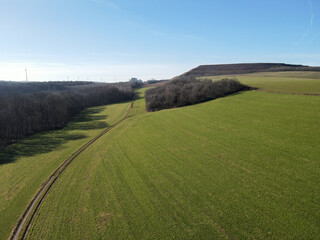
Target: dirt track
<point x="24" y="223"/>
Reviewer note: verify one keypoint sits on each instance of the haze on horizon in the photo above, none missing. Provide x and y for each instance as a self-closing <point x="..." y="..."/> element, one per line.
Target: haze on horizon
<point x="108" y="40"/>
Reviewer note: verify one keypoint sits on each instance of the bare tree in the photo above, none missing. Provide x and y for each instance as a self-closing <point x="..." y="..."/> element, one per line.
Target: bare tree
<point x="28" y="108"/>
<point x="188" y="90"/>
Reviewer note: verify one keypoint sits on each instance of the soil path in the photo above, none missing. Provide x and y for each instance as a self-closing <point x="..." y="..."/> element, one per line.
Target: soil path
<point x="24" y="223"/>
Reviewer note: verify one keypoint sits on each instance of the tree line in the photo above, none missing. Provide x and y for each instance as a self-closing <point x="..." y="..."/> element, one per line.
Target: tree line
<point x="189" y="90"/>
<point x="9" y="87"/>
<point x="27" y="110"/>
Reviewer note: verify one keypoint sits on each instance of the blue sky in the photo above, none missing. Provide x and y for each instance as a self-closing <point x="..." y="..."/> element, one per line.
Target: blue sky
<point x="112" y="40"/>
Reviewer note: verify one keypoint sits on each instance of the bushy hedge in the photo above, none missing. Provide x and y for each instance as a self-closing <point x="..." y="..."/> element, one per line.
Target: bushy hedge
<point x="189" y="90"/>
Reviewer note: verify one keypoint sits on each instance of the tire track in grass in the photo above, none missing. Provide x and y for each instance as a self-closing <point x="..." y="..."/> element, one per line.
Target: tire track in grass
<point x="25" y="221"/>
<point x="118" y="202"/>
<point x="186" y="196"/>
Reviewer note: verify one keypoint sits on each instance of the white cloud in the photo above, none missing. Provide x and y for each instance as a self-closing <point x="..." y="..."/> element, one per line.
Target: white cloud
<point x="309" y="28"/>
<point x="314" y="38"/>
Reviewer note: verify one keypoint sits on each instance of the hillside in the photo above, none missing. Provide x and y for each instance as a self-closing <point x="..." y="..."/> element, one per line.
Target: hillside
<point x="243" y="166"/>
<point x="243" y="68"/>
<point x="24" y="166"/>
<point x="173" y="174"/>
<point x="292" y="82"/>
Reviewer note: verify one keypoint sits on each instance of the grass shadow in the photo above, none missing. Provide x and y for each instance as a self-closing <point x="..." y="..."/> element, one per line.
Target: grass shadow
<point x="48" y="141"/>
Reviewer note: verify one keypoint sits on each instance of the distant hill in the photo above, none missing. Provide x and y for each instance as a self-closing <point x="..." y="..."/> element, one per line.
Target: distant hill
<point x="243" y="68"/>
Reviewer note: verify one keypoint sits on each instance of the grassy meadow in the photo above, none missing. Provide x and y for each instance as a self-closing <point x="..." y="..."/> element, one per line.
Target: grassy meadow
<point x="25" y="165"/>
<point x="244" y="166"/>
<point x="284" y="82"/>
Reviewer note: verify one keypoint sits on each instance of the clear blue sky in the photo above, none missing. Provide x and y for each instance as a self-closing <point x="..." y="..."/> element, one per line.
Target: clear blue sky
<point x="115" y="39"/>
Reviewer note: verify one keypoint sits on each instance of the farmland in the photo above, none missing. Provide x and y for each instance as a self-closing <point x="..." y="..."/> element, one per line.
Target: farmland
<point x="25" y="165"/>
<point x="284" y="82"/>
<point x="239" y="167"/>
<point x="160" y="120"/>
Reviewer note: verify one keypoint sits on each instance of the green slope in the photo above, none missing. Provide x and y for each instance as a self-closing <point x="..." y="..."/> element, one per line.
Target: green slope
<point x="284" y="82"/>
<point x="24" y="166"/>
<point x="240" y="167"/>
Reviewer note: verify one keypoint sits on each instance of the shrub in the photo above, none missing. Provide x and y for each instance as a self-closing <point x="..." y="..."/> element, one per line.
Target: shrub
<point x="188" y="90"/>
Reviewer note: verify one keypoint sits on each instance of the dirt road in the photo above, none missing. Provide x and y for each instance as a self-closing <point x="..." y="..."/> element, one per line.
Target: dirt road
<point x="24" y="223"/>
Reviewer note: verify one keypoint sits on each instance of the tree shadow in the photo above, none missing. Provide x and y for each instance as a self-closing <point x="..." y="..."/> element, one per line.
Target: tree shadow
<point x="138" y="96"/>
<point x="48" y="141"/>
<point x="87" y="120"/>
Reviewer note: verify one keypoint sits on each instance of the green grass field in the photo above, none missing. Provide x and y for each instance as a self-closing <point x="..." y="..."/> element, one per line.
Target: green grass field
<point x="240" y="167"/>
<point x="284" y="82"/>
<point x="24" y="166"/>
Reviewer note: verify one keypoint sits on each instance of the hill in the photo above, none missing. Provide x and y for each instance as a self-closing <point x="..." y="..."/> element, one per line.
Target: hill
<point x="243" y="68"/>
<point x="293" y="82"/>
<point x="243" y="166"/>
<point x="240" y="167"/>
<point x="24" y="166"/>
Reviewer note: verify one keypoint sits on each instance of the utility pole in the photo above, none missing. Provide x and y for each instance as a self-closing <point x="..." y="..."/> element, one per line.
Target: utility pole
<point x="26" y="75"/>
